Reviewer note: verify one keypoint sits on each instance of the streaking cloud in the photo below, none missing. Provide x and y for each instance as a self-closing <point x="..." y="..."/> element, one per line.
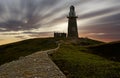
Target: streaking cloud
<point x="95" y="16"/>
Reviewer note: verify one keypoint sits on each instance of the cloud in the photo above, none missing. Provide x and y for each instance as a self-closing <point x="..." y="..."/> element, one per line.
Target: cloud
<point x="98" y="13"/>
<point x="10" y="33"/>
<point x="21" y="37"/>
<point x="25" y="10"/>
<point x="40" y="34"/>
<point x="34" y="12"/>
<point x="30" y="32"/>
<point x="115" y="18"/>
<point x="105" y="32"/>
<point x="102" y="16"/>
<point x="1" y="9"/>
<point x="108" y="37"/>
<point x="1" y="39"/>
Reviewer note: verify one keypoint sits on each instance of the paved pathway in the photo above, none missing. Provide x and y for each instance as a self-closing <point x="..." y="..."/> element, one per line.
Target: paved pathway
<point x="37" y="65"/>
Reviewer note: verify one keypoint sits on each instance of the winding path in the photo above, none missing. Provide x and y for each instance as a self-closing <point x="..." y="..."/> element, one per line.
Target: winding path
<point x="37" y="65"/>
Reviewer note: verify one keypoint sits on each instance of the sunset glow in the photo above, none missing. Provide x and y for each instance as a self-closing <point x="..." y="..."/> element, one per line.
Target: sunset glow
<point x="24" y="19"/>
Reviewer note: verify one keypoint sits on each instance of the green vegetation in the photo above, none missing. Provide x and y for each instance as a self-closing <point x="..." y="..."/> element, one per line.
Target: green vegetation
<point x="76" y="63"/>
<point x="13" y="51"/>
<point x="87" y="41"/>
<point x="109" y="50"/>
<point x="80" y="58"/>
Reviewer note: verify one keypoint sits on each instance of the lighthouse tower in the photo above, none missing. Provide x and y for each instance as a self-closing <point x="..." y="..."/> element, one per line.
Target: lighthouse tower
<point x="72" y="23"/>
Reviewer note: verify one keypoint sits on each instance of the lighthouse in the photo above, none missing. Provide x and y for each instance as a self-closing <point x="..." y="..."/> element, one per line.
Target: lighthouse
<point x="72" y="23"/>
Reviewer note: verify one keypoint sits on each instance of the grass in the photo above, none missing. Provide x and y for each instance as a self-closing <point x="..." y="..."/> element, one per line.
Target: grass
<point x="87" y="41"/>
<point x="109" y="50"/>
<point x="76" y="58"/>
<point x="76" y="63"/>
<point x="13" y="51"/>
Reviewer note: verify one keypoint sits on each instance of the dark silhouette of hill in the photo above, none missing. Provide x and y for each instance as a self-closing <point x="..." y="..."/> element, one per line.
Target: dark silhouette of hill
<point x="108" y="50"/>
<point x="88" y="42"/>
<point x="15" y="50"/>
<point x="76" y="62"/>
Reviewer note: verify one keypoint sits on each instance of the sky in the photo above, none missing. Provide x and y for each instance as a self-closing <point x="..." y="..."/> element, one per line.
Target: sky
<point x="24" y="19"/>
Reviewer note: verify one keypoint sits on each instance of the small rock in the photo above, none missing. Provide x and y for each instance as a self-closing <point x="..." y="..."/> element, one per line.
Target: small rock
<point x="35" y="60"/>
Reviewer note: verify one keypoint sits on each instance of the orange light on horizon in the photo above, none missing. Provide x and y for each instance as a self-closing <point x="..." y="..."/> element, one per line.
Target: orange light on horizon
<point x="7" y="41"/>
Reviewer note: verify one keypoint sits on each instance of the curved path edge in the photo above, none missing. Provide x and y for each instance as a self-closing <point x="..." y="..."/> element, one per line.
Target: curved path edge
<point x="36" y="65"/>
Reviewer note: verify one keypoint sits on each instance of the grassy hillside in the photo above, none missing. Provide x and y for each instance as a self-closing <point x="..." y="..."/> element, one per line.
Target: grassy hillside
<point x="108" y="50"/>
<point x="87" y="41"/>
<point x="13" y="51"/>
<point x="76" y="63"/>
<point x="81" y="41"/>
<point x="76" y="58"/>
